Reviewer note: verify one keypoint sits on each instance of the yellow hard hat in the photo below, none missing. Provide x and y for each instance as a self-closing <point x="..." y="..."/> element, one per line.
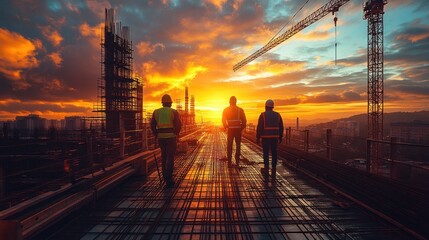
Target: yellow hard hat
<point x="166" y="99"/>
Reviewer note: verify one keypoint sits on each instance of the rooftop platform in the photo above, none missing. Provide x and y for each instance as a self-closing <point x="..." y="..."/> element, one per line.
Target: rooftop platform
<point x="212" y="201"/>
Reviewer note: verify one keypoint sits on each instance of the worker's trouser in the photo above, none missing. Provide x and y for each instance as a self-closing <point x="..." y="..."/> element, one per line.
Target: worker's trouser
<point x="168" y="149"/>
<point x="267" y="145"/>
<point x="234" y="133"/>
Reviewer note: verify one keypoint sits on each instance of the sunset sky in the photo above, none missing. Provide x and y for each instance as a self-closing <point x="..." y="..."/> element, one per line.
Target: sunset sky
<point x="50" y="56"/>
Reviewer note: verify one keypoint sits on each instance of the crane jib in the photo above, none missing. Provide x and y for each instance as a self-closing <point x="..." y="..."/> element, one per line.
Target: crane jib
<point x="331" y="6"/>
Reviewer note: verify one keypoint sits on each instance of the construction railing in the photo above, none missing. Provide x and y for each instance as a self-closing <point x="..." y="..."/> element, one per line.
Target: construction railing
<point x="33" y="166"/>
<point x="404" y="161"/>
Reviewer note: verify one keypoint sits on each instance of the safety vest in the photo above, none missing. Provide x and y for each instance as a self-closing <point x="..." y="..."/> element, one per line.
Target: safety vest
<point x="271" y="125"/>
<point x="164" y="122"/>
<point x="234" y="122"/>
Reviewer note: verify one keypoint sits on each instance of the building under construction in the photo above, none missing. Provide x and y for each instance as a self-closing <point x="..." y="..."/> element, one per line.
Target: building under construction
<point x="120" y="93"/>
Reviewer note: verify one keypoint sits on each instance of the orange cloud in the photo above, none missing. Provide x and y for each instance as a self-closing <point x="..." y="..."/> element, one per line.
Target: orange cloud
<point x="145" y="48"/>
<point x="313" y="36"/>
<point x="52" y="35"/>
<point x="53" y="85"/>
<point x="175" y="79"/>
<point x="413" y="37"/>
<point x="56" y="58"/>
<point x="217" y="3"/>
<point x="17" y="54"/>
<point x="9" y="108"/>
<point x="92" y="33"/>
<point x="97" y="7"/>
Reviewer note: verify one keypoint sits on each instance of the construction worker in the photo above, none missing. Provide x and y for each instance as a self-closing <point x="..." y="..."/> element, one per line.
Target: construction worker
<point x="234" y="120"/>
<point x="166" y="125"/>
<point x="270" y="129"/>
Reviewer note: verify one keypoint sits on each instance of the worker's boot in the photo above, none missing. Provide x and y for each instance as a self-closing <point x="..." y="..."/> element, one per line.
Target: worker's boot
<point x="264" y="172"/>
<point x="169" y="183"/>
<point x="273" y="175"/>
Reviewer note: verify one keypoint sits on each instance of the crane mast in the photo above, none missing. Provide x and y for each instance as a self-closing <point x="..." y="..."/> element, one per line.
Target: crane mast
<point x="330" y="7"/>
<point x="373" y="12"/>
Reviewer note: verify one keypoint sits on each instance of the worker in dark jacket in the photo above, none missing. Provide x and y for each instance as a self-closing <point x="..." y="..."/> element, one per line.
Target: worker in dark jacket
<point x="270" y="129"/>
<point x="166" y="125"/>
<point x="234" y="120"/>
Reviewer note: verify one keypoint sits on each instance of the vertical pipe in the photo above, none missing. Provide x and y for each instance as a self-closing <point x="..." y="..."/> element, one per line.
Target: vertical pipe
<point x="122" y="136"/>
<point x="144" y="138"/>
<point x="297" y="123"/>
<point x="306" y="139"/>
<point x="368" y="155"/>
<point x="89" y="148"/>
<point x="393" y="155"/>
<point x="2" y="183"/>
<point x="328" y="144"/>
<point x="393" y="148"/>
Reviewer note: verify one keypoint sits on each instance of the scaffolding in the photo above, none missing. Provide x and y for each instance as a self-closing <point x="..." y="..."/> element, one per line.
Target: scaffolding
<point x="120" y="93"/>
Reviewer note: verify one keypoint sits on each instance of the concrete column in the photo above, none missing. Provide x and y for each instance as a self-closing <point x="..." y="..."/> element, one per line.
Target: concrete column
<point x="10" y="230"/>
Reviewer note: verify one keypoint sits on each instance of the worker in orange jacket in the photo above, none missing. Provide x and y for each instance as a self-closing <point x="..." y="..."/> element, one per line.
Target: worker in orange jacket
<point x="270" y="129"/>
<point x="234" y="120"/>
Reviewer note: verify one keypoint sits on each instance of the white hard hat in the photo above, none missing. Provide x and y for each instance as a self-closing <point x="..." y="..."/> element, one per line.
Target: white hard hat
<point x="269" y="103"/>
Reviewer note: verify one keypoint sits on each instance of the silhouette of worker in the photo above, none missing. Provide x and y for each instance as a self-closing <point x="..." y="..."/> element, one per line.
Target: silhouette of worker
<point x="166" y="125"/>
<point x="234" y="120"/>
<point x="270" y="129"/>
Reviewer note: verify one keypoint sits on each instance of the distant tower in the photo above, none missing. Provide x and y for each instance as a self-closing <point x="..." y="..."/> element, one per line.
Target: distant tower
<point x="120" y="95"/>
<point x="186" y="117"/>
<point x="186" y="100"/>
<point x="192" y="109"/>
<point x="297" y="123"/>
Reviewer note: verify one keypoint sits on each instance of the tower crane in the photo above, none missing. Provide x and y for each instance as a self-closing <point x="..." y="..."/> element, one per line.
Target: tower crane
<point x="373" y="12"/>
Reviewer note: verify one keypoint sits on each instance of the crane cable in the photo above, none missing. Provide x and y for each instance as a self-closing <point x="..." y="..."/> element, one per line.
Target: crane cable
<point x="287" y="22"/>
<point x="335" y="23"/>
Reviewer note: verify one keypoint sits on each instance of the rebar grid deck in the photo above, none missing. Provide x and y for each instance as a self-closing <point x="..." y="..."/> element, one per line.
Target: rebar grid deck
<point x="211" y="201"/>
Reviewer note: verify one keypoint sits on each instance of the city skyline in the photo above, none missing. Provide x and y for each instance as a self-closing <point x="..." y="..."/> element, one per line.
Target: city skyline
<point x="51" y="59"/>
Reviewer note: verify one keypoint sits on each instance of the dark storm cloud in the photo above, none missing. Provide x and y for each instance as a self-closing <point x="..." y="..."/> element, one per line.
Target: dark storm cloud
<point x="343" y="97"/>
<point x="409" y="86"/>
<point x="409" y="52"/>
<point x="55" y="24"/>
<point x="410" y="44"/>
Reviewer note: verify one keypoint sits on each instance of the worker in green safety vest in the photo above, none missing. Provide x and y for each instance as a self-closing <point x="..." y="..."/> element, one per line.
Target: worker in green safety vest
<point x="166" y="125"/>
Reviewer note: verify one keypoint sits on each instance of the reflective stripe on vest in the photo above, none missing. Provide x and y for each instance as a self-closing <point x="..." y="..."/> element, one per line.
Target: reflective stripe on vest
<point x="235" y="123"/>
<point x="271" y="127"/>
<point x="164" y="122"/>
